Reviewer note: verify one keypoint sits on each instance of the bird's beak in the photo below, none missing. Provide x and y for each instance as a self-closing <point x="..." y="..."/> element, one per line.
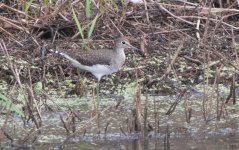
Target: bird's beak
<point x="131" y="46"/>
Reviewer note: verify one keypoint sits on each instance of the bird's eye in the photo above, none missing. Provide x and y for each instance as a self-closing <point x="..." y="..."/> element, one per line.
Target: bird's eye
<point x="123" y="42"/>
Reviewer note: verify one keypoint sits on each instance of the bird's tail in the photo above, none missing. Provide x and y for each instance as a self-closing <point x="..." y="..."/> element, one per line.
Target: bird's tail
<point x="73" y="61"/>
<point x="44" y="51"/>
<point x="54" y="51"/>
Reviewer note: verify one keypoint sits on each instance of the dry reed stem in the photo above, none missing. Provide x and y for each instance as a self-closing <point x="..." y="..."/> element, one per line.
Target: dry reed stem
<point x="177" y="101"/>
<point x="16" y="10"/>
<point x="12" y="23"/>
<point x="87" y="124"/>
<point x="15" y="70"/>
<point x="146" y="11"/>
<point x="2" y="29"/>
<point x="186" y="108"/>
<point x="202" y="10"/>
<point x="145" y="130"/>
<point x="216" y="88"/>
<point x="179" y="18"/>
<point x="138" y="110"/>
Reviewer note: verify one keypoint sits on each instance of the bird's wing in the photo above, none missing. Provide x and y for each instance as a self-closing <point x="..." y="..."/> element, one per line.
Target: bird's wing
<point x="93" y="57"/>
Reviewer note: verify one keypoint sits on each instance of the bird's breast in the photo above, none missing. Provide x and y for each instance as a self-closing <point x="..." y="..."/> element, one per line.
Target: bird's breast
<point x="118" y="61"/>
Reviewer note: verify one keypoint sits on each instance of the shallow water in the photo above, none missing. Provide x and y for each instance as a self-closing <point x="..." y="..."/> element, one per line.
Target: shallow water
<point x="198" y="134"/>
<point x="181" y="143"/>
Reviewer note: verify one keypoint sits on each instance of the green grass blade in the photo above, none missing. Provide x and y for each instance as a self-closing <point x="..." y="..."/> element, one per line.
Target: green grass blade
<point x="27" y="6"/>
<point x="92" y="26"/>
<point x="80" y="29"/>
<point x="46" y="2"/>
<point x="87" y="8"/>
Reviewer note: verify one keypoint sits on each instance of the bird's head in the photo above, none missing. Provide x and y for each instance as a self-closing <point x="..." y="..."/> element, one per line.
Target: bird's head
<point x="123" y="42"/>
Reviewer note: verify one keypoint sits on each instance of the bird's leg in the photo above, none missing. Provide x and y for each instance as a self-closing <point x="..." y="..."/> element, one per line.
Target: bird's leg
<point x="97" y="92"/>
<point x="79" y="87"/>
<point x="97" y="107"/>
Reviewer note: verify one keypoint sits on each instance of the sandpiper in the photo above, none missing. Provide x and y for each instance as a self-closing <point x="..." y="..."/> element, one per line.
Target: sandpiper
<point x="99" y="62"/>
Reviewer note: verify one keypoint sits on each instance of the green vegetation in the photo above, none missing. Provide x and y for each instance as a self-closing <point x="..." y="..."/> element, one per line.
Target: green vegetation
<point x="80" y="29"/>
<point x="9" y="105"/>
<point x="90" y="27"/>
<point x="46" y="2"/>
<point x="87" y="8"/>
<point x="27" y="5"/>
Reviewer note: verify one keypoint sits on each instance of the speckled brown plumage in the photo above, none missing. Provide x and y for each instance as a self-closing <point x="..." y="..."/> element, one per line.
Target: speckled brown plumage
<point x="92" y="57"/>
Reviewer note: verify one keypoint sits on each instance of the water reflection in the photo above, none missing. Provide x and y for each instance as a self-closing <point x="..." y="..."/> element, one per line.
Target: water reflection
<point x="217" y="143"/>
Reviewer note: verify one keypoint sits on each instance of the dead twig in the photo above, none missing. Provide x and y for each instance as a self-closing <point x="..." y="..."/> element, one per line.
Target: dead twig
<point x="202" y="10"/>
<point x="12" y="24"/>
<point x="16" y="71"/>
<point x="179" y="18"/>
<point x="87" y="124"/>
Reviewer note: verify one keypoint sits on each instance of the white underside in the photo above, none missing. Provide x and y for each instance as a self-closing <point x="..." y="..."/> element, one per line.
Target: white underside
<point x="97" y="70"/>
<point x="100" y="70"/>
<point x="136" y="1"/>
